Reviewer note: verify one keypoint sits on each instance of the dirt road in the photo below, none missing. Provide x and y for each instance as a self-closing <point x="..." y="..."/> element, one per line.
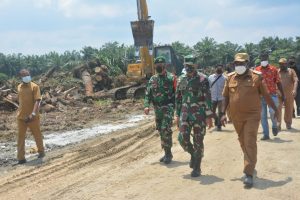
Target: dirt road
<point x="124" y="165"/>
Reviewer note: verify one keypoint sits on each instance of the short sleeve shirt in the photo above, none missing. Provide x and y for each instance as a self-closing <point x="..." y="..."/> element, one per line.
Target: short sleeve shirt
<point x="28" y="94"/>
<point x="244" y="93"/>
<point x="270" y="77"/>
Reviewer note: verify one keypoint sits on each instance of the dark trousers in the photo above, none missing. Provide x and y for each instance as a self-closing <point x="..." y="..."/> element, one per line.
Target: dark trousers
<point x="217" y="104"/>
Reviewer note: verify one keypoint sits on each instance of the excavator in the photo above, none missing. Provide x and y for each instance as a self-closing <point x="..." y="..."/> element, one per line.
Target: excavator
<point x="140" y="72"/>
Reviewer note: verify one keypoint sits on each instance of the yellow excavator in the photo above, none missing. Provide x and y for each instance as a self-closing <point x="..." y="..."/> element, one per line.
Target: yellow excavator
<point x="140" y="72"/>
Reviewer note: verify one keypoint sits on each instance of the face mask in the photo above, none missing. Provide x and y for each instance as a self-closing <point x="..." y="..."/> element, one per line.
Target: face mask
<point x="26" y="79"/>
<point x="219" y="71"/>
<point x="189" y="69"/>
<point x="240" y="69"/>
<point x="292" y="63"/>
<point x="264" y="63"/>
<point x="159" y="69"/>
<point x="283" y="67"/>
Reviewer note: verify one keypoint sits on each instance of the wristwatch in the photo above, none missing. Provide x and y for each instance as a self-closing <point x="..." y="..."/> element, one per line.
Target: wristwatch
<point x="33" y="114"/>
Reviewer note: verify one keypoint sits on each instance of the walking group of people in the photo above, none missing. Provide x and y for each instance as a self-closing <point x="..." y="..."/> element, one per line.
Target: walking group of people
<point x="245" y="94"/>
<point x="194" y="98"/>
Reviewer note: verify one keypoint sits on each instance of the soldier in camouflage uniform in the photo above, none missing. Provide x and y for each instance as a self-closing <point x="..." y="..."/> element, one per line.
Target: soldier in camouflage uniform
<point x="193" y="110"/>
<point x="161" y="92"/>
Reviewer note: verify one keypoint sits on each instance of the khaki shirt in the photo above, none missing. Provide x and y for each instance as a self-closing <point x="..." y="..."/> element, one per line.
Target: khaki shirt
<point x="244" y="93"/>
<point x="288" y="78"/>
<point x="28" y="94"/>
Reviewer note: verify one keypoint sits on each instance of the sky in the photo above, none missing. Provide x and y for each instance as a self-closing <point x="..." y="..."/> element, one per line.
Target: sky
<point x="41" y="26"/>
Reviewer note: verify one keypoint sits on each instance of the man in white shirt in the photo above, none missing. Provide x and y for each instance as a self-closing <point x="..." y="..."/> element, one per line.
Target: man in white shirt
<point x="216" y="83"/>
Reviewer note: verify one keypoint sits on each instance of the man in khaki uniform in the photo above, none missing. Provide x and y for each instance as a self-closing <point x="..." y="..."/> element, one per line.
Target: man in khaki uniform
<point x="242" y="92"/>
<point x="289" y="83"/>
<point x="28" y="115"/>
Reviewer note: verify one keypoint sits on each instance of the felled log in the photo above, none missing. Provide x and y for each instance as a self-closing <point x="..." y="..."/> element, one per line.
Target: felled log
<point x="11" y="102"/>
<point x="68" y="91"/>
<point x="87" y="80"/>
<point x="47" y="75"/>
<point x="48" y="108"/>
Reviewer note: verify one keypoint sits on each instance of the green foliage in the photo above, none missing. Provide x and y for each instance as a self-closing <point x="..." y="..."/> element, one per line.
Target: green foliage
<point x="3" y="77"/>
<point x="117" y="56"/>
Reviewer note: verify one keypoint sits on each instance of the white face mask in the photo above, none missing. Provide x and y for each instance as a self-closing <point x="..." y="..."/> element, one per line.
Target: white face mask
<point x="26" y="79"/>
<point x="264" y="63"/>
<point x="240" y="69"/>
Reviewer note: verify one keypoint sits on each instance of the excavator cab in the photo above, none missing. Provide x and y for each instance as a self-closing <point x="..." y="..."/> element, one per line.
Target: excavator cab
<point x="173" y="64"/>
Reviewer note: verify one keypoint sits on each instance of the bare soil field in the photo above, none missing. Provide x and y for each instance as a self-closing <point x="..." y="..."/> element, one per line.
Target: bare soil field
<point x="124" y="165"/>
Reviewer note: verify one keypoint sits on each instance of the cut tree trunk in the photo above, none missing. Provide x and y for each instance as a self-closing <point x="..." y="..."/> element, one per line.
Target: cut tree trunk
<point x="87" y="80"/>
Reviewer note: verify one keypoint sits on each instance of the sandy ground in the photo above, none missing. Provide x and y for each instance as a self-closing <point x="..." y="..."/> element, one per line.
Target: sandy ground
<point x="124" y="165"/>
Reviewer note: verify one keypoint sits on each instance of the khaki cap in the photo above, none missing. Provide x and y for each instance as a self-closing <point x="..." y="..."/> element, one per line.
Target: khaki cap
<point x="241" y="57"/>
<point x="282" y="60"/>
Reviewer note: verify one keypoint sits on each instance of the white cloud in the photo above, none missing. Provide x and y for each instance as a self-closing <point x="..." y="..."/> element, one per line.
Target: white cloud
<point x="213" y="25"/>
<point x="80" y="9"/>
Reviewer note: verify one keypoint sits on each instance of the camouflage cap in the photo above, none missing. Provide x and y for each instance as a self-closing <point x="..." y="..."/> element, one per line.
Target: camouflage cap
<point x="257" y="61"/>
<point x="241" y="57"/>
<point x="189" y="60"/>
<point x="160" y="59"/>
<point x="282" y="60"/>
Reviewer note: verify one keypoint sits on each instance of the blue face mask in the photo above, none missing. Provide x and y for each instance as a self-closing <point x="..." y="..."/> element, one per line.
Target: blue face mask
<point x="26" y="79"/>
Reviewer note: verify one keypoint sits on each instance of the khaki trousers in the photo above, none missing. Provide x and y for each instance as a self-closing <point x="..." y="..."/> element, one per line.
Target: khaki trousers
<point x="247" y="135"/>
<point x="34" y="126"/>
<point x="288" y="110"/>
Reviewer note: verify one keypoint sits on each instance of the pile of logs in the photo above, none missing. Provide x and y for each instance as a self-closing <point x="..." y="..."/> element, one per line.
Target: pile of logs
<point x="8" y="98"/>
<point x="55" y="99"/>
<point x="93" y="75"/>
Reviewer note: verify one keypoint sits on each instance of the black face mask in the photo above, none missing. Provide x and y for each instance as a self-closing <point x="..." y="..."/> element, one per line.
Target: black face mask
<point x="292" y="63"/>
<point x="219" y="71"/>
<point x="189" y="69"/>
<point x="159" y="69"/>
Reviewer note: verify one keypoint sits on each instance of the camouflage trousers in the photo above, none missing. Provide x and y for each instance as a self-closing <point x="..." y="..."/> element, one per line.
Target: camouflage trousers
<point x="164" y="121"/>
<point x="199" y="129"/>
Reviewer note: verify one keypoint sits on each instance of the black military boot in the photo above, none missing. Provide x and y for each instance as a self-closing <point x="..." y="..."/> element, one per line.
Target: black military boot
<point x="192" y="161"/>
<point x="168" y="156"/>
<point x="162" y="158"/>
<point x="196" y="168"/>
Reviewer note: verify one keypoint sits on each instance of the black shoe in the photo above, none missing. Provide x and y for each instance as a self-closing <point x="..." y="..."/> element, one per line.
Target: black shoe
<point x="265" y="138"/>
<point x="196" y="168"/>
<point x="168" y="159"/>
<point x="275" y="131"/>
<point x="219" y="128"/>
<point x="162" y="159"/>
<point x="41" y="155"/>
<point x="168" y="156"/>
<point x="288" y="126"/>
<point x="20" y="162"/>
<point x="248" y="181"/>
<point x="195" y="173"/>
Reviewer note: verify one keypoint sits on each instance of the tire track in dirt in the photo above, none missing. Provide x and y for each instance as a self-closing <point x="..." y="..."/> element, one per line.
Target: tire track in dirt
<point x="86" y="156"/>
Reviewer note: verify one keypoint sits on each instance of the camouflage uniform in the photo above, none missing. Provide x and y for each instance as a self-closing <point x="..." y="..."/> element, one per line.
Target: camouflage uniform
<point x="193" y="106"/>
<point x="161" y="92"/>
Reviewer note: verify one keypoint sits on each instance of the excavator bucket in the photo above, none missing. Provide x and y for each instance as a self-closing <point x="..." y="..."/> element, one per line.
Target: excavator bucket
<point x="142" y="32"/>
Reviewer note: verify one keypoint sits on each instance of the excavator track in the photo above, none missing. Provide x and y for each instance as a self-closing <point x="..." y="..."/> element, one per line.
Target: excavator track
<point x="137" y="92"/>
<point x="119" y="93"/>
